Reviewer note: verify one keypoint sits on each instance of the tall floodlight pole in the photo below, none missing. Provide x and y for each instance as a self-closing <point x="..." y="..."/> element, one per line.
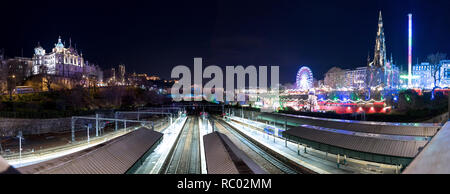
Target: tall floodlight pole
<point x="88" y="137"/>
<point x="20" y="136"/>
<point x="409" y="50"/>
<point x="73" y="129"/>
<point x="96" y="125"/>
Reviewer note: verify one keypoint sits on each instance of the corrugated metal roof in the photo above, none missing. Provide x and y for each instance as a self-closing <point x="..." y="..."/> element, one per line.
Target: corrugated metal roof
<point x="223" y="157"/>
<point x="389" y="147"/>
<point x="217" y="159"/>
<point x="411" y="129"/>
<point x="241" y="157"/>
<point x="116" y="156"/>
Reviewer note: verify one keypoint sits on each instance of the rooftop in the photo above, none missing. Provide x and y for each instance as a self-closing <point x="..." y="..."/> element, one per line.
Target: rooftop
<point x="116" y="156"/>
<point x="389" y="147"/>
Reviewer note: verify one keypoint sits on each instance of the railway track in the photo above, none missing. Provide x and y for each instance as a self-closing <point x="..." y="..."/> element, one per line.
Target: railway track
<point x="271" y="159"/>
<point x="195" y="167"/>
<point x="68" y="146"/>
<point x="185" y="158"/>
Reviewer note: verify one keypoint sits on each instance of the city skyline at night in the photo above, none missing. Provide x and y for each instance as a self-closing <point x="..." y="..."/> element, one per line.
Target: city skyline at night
<point x="330" y="37"/>
<point x="224" y="95"/>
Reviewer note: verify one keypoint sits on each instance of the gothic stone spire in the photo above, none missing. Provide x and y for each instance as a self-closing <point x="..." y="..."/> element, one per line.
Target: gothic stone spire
<point x="379" y="59"/>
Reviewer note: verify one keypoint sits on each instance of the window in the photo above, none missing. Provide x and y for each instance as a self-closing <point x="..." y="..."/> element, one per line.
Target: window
<point x="447" y="73"/>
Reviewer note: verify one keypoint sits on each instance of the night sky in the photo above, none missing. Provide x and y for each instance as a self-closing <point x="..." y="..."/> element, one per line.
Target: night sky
<point x="152" y="37"/>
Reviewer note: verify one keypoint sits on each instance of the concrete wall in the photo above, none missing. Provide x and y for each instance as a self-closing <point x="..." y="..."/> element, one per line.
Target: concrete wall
<point x="10" y="126"/>
<point x="443" y="118"/>
<point x="433" y="159"/>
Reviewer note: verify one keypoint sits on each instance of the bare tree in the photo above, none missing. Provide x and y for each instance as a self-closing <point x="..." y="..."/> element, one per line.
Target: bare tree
<point x="435" y="62"/>
<point x="47" y="76"/>
<point x="11" y="82"/>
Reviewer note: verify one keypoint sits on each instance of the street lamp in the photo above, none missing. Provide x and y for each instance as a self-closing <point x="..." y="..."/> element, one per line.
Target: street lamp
<point x="88" y="126"/>
<point x="19" y="135"/>
<point x="11" y="85"/>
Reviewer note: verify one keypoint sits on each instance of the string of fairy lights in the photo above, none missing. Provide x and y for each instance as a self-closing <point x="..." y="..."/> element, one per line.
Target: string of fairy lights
<point x="339" y="100"/>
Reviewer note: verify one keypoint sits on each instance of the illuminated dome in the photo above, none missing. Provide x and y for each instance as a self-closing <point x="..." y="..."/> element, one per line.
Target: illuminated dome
<point x="304" y="80"/>
<point x="59" y="47"/>
<point x="39" y="50"/>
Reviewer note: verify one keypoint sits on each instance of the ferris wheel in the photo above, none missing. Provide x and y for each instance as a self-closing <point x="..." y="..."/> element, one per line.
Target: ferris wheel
<point x="304" y="80"/>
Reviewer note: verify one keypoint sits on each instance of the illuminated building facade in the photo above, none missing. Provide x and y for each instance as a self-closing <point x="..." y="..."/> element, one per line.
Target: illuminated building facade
<point x="62" y="61"/>
<point x="360" y="78"/>
<point x="337" y="78"/>
<point x="16" y="69"/>
<point x="20" y="67"/>
<point x="391" y="75"/>
<point x="334" y="78"/>
<point x="425" y="78"/>
<point x="379" y="72"/>
<point x="355" y="78"/>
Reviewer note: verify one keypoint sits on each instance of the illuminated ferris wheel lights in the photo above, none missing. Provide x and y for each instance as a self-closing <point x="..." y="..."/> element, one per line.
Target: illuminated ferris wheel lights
<point x="304" y="80"/>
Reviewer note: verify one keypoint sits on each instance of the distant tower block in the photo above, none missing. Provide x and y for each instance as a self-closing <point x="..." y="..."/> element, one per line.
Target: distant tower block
<point x="409" y="50"/>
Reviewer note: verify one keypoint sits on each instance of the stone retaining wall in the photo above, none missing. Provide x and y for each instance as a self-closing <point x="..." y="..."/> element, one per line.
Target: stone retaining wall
<point x="11" y="127"/>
